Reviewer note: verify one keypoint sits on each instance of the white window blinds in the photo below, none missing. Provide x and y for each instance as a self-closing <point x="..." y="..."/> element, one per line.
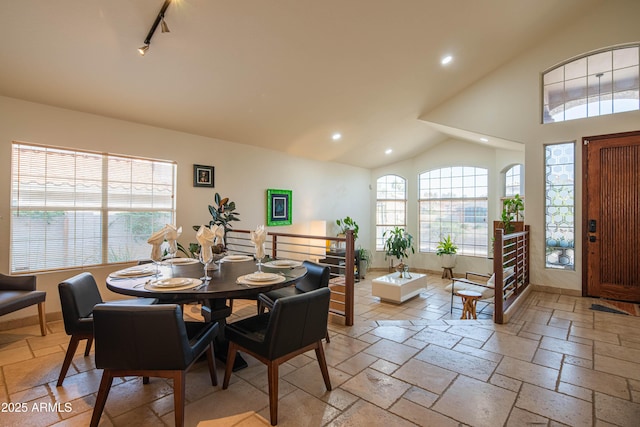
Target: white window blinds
<point x="74" y="208"/>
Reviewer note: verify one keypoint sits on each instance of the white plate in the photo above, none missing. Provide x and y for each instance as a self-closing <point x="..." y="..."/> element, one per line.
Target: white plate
<point x="245" y="281"/>
<point x="181" y="261"/>
<point x="151" y="286"/>
<point x="236" y="258"/>
<point x="261" y="277"/>
<point x="283" y="263"/>
<point x="134" y="272"/>
<point x="172" y="282"/>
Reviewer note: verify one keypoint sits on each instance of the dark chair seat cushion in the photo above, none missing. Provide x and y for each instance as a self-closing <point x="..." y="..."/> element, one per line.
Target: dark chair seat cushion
<point x="269" y="298"/>
<point x="11" y="301"/>
<point x="249" y="333"/>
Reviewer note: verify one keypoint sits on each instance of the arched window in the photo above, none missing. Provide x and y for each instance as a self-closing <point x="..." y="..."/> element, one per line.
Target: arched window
<point x="513" y="182"/>
<point x="391" y="206"/>
<point x="605" y="82"/>
<point x="453" y="201"/>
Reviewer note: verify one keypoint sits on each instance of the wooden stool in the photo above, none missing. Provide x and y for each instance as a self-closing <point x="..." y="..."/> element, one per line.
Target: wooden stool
<point x="469" y="300"/>
<point x="447" y="273"/>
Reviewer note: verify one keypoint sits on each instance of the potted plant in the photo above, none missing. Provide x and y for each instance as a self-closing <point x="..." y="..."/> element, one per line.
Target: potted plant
<point x="447" y="251"/>
<point x="365" y="261"/>
<point x="348" y="223"/>
<point x="512" y="210"/>
<point x="398" y="243"/>
<point x="222" y="213"/>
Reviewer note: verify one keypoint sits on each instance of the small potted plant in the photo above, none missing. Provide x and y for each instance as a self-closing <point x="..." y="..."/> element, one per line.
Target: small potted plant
<point x="348" y="224"/>
<point x="512" y="210"/>
<point x="447" y="251"/>
<point x="398" y="243"/>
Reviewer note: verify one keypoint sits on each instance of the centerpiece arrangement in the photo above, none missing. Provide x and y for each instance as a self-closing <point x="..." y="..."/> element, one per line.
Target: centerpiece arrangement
<point x="398" y="243"/>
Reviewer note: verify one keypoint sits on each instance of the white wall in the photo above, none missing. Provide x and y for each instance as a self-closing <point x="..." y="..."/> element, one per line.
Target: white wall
<point x="506" y="104"/>
<point x="321" y="190"/>
<point x="448" y="153"/>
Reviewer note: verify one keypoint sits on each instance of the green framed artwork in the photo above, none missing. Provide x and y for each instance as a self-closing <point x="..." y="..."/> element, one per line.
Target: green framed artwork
<point x="278" y="207"/>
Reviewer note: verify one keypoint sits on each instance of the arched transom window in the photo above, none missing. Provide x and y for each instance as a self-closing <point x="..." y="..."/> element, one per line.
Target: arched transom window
<point x="605" y="82"/>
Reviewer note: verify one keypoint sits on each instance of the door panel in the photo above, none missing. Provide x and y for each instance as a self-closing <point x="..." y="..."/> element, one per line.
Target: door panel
<point x="612" y="216"/>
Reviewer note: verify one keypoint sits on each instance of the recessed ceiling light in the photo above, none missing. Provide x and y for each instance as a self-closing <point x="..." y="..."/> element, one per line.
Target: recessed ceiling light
<point x="388" y="151"/>
<point x="336" y="136"/>
<point x="447" y="59"/>
<point x="484" y="140"/>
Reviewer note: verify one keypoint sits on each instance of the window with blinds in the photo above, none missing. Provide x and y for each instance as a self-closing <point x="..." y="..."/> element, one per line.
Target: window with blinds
<point x="72" y="208"/>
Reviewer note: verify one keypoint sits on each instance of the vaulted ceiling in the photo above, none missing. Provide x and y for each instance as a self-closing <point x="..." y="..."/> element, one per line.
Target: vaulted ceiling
<point x="280" y="74"/>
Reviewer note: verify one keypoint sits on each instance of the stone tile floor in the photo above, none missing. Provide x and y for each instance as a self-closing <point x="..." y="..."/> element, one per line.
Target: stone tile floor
<point x="558" y="363"/>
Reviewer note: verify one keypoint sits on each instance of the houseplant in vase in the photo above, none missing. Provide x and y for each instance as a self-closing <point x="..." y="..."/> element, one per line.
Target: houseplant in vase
<point x="222" y="213"/>
<point x="447" y="251"/>
<point x="398" y="243"/>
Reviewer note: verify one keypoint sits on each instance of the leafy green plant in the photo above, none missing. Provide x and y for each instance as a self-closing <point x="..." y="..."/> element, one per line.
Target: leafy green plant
<point x="222" y="213"/>
<point x="512" y="209"/>
<point x="446" y="246"/>
<point x="348" y="224"/>
<point x="398" y="243"/>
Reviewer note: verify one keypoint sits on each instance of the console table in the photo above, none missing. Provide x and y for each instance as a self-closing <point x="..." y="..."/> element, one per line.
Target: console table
<point x="395" y="289"/>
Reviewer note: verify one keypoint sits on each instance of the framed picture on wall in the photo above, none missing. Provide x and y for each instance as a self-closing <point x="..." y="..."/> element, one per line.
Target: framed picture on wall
<point x="202" y="176"/>
<point x="279" y="207"/>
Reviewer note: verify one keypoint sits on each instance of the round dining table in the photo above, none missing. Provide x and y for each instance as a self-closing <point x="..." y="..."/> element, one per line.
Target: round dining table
<point x="213" y="294"/>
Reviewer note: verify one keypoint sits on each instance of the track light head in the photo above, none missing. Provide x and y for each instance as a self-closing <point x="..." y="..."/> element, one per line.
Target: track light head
<point x="164" y="26"/>
<point x="143" y="49"/>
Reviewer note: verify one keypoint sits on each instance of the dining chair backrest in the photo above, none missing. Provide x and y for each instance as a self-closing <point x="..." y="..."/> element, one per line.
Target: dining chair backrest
<point x="78" y="296"/>
<point x="141" y="337"/>
<point x="296" y="322"/>
<point x="317" y="277"/>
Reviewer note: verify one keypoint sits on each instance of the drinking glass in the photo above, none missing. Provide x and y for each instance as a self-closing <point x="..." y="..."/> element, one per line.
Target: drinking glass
<point x="260" y="256"/>
<point x="209" y="257"/>
<point x="172" y="250"/>
<point x="156" y="261"/>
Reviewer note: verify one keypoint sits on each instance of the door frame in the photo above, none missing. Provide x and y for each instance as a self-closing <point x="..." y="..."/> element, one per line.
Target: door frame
<point x="585" y="213"/>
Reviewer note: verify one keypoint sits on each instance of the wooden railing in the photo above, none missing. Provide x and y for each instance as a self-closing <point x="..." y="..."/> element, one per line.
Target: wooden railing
<point x="315" y="248"/>
<point x="511" y="267"/>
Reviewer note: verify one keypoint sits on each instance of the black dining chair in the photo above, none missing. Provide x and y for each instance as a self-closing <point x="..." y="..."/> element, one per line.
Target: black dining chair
<point x="295" y="325"/>
<point x="149" y="341"/>
<point x="78" y="296"/>
<point x="317" y="277"/>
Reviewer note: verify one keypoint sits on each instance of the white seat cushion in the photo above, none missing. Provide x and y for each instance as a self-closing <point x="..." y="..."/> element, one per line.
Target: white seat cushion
<point x="459" y="285"/>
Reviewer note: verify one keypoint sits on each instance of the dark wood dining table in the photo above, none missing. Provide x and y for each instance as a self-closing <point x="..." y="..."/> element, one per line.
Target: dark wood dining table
<point x="212" y="294"/>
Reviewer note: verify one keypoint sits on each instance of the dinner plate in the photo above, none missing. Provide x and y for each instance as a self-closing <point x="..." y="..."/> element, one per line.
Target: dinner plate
<point x="151" y="286"/>
<point x="181" y="261"/>
<point x="245" y="281"/>
<point x="261" y="276"/>
<point x="236" y="258"/>
<point x="172" y="282"/>
<point x="283" y="263"/>
<point x="134" y="272"/>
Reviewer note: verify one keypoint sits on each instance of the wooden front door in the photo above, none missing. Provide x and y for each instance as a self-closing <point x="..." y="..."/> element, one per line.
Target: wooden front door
<point x="611" y="216"/>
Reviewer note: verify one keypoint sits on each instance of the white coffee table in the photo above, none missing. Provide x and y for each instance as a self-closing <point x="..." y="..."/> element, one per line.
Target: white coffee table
<point x="394" y="289"/>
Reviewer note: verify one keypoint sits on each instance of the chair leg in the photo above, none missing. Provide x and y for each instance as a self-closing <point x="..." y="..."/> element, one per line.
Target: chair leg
<point x="322" y="361"/>
<point x="178" y="397"/>
<point x="145" y="380"/>
<point x="261" y="307"/>
<point x="88" y="348"/>
<point x="326" y="337"/>
<point x="42" y="315"/>
<point x="71" y="350"/>
<point x="231" y="357"/>
<point x="103" y="392"/>
<point x="211" y="360"/>
<point x="273" y="391"/>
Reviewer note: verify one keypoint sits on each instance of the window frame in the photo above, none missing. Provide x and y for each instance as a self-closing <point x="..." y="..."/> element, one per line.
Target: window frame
<point x="587" y="99"/>
<point x="570" y="244"/>
<point x="464" y="248"/>
<point x="61" y="186"/>
<point x="381" y="228"/>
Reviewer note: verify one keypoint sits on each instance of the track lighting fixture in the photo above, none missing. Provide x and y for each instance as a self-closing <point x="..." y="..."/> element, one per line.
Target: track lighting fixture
<point x="159" y="19"/>
<point x="143" y="49"/>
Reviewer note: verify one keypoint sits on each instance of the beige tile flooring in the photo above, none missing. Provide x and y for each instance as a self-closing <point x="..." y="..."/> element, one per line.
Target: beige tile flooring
<point x="558" y="363"/>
